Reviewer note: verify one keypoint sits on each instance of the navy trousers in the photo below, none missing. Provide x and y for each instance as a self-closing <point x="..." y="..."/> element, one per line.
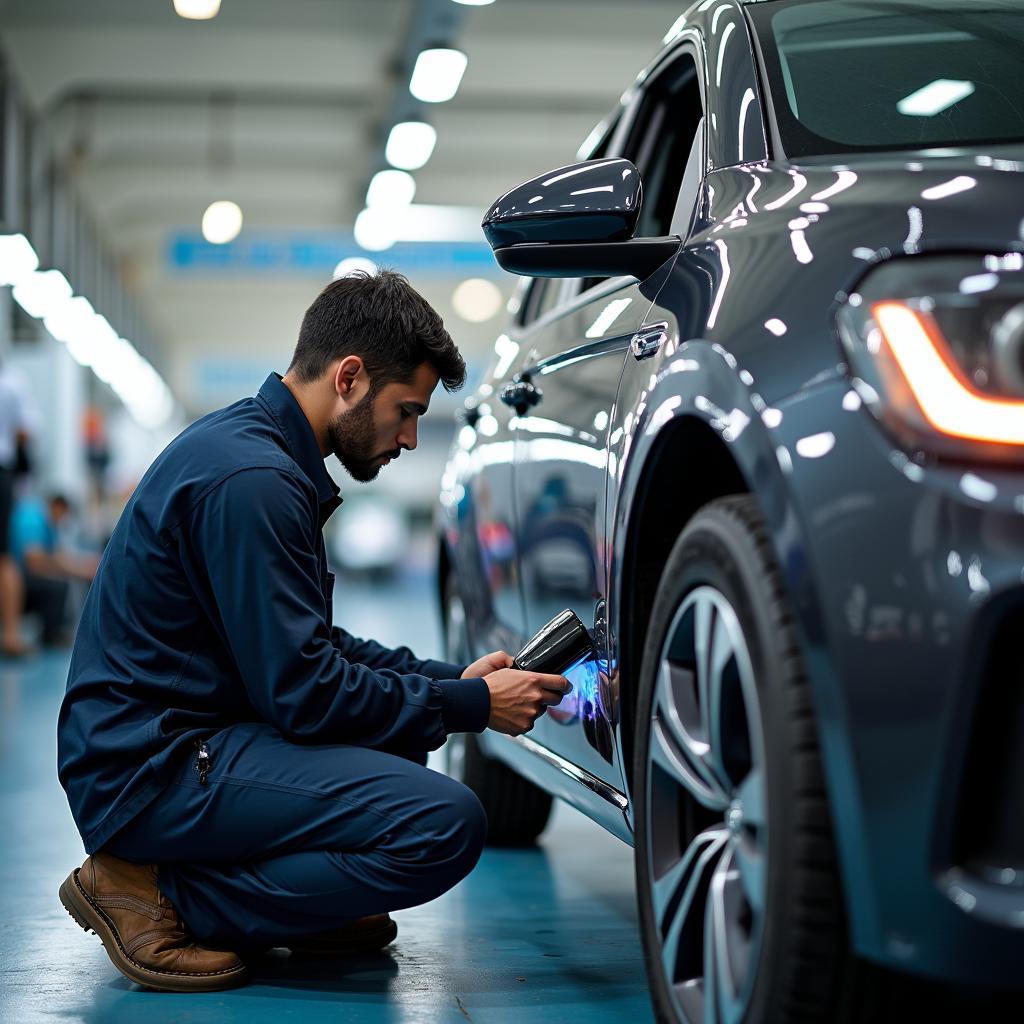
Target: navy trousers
<point x="285" y="840"/>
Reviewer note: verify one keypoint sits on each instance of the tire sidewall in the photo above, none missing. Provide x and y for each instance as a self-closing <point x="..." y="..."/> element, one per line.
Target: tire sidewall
<point x="717" y="550"/>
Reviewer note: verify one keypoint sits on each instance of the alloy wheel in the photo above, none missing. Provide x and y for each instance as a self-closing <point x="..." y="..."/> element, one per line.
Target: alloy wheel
<point x="707" y="825"/>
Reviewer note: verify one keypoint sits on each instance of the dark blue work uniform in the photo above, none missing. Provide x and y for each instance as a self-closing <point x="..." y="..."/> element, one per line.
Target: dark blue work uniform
<point x="208" y="630"/>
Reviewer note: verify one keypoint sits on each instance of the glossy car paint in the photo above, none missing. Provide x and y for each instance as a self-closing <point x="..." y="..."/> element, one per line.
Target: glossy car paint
<point x="866" y="534"/>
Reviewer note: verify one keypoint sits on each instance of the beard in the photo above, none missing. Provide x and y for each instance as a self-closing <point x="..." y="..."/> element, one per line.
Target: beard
<point x="352" y="439"/>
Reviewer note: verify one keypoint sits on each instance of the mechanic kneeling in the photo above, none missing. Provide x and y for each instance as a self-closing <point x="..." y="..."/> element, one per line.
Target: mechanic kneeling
<point x="244" y="775"/>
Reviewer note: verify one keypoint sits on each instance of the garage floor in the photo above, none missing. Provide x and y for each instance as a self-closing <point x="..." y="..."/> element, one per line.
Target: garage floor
<point x="540" y="935"/>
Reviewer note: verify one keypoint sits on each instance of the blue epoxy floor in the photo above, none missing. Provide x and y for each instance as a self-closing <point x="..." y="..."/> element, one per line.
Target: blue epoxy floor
<point x="541" y="935"/>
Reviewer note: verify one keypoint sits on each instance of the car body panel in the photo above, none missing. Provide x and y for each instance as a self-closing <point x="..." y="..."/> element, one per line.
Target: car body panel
<point x="862" y="532"/>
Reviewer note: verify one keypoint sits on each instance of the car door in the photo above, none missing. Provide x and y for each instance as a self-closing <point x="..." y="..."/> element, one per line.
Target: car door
<point x="564" y="408"/>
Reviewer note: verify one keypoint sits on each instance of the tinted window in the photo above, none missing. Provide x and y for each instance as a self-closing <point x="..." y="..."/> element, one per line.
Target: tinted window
<point x="543" y="296"/>
<point x="661" y="139"/>
<point x="848" y="75"/>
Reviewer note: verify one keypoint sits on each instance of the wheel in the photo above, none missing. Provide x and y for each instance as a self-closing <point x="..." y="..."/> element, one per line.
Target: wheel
<point x="739" y="893"/>
<point x="517" y="810"/>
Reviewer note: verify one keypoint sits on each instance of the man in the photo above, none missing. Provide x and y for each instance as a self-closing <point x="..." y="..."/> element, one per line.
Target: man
<point x="46" y="569"/>
<point x="14" y="432"/>
<point x="242" y="774"/>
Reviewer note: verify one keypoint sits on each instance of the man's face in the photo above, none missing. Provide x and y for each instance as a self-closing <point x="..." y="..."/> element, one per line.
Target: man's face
<point x="368" y="436"/>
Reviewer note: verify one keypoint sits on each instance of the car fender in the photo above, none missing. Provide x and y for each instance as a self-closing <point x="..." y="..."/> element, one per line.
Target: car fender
<point x="700" y="381"/>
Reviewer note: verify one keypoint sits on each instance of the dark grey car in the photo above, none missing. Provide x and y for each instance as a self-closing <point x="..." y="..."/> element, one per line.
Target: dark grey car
<point x="760" y="423"/>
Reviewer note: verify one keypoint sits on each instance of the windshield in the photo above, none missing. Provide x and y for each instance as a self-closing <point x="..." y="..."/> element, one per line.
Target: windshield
<point x="847" y="76"/>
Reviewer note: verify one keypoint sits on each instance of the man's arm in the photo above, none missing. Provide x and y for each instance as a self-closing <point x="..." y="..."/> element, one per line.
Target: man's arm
<point x="398" y="659"/>
<point x="255" y="543"/>
<point x="60" y="564"/>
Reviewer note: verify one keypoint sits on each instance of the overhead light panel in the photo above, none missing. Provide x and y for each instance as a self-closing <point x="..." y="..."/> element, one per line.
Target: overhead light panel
<point x="40" y="294"/>
<point x="17" y="258"/>
<point x="374" y="229"/>
<point x="197" y="10"/>
<point x="477" y="300"/>
<point x="474" y="3"/>
<point x="352" y="265"/>
<point x="437" y="74"/>
<point x="391" y="188"/>
<point x="935" y="97"/>
<point x="222" y="221"/>
<point x="410" y="144"/>
<point x="72" y="321"/>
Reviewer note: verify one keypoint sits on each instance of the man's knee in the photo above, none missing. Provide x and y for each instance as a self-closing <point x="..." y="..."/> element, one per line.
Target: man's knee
<point x="458" y="828"/>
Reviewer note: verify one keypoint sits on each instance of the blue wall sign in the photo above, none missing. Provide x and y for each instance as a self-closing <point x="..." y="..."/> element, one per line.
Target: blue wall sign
<point x="317" y="254"/>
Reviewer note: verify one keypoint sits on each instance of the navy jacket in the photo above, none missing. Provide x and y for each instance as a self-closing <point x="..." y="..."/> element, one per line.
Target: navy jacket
<point x="212" y="605"/>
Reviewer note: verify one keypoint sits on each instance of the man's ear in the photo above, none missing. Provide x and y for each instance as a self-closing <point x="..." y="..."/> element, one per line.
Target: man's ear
<point x="346" y="376"/>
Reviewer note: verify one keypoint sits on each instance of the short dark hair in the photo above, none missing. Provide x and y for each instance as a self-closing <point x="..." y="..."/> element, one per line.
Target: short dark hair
<point x="382" y="319"/>
<point x="56" y="498"/>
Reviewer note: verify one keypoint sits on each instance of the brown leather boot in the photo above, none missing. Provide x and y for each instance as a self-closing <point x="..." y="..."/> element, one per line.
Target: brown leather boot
<point x="364" y="935"/>
<point x="140" y="930"/>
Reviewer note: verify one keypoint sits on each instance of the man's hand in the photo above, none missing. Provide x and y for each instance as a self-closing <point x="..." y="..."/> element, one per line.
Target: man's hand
<point x="487" y="664"/>
<point x="518" y="699"/>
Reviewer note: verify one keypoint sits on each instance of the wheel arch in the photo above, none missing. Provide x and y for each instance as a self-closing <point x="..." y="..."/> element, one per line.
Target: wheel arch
<point x="711" y="472"/>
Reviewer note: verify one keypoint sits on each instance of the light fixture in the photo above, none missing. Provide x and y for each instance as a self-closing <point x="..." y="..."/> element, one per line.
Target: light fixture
<point x="351" y="264"/>
<point x="477" y="300"/>
<point x="72" y="320"/>
<point x="374" y="229"/>
<point x="935" y="97"/>
<point x="410" y="144"/>
<point x="42" y="292"/>
<point x="474" y="3"/>
<point x="222" y="221"/>
<point x="197" y="10"/>
<point x="437" y="74"/>
<point x="391" y="188"/>
<point x="17" y="258"/>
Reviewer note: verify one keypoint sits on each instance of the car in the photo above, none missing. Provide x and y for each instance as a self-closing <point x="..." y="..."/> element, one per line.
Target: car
<point x="757" y="418"/>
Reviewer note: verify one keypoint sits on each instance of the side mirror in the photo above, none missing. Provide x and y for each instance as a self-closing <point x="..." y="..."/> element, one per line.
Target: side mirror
<point x="575" y="221"/>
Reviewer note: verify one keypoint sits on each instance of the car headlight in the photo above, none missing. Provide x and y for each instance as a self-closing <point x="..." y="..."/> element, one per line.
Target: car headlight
<point x="939" y="342"/>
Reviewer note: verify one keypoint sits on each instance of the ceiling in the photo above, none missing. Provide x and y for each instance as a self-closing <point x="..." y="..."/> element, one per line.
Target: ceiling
<point x="281" y="106"/>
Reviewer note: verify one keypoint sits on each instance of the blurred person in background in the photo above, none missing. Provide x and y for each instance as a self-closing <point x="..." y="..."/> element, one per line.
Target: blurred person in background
<point x="14" y="433"/>
<point x="47" y="567"/>
<point x="243" y="773"/>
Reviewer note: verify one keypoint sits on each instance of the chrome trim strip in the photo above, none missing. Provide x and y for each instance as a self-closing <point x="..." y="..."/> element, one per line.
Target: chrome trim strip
<point x="577" y="774"/>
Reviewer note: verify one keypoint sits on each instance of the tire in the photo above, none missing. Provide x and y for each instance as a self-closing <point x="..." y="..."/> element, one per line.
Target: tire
<point x="733" y="839"/>
<point x="517" y="810"/>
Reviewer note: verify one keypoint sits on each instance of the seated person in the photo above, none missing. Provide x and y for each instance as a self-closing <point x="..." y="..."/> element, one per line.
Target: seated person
<point x="48" y="570"/>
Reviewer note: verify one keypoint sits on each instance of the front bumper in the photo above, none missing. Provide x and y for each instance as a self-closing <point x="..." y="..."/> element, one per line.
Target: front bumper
<point x="910" y="618"/>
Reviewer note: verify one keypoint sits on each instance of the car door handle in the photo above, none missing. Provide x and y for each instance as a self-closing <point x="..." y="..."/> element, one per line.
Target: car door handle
<point x="521" y="394"/>
<point x="649" y="339"/>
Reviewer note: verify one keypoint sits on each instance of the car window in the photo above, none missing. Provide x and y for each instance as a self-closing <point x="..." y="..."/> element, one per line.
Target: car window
<point x="664" y="134"/>
<point x="543" y="296"/>
<point x="899" y="76"/>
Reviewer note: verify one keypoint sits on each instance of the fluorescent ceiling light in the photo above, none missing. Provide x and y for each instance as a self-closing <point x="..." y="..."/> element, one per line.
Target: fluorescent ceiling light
<point x="379" y="227"/>
<point x="197" y="10"/>
<point x="374" y="229"/>
<point x="42" y="292"/>
<point x="72" y="321"/>
<point x="391" y="188"/>
<point x="477" y="300"/>
<point x="437" y="75"/>
<point x="351" y="264"/>
<point x="934" y="97"/>
<point x="17" y="258"/>
<point x="410" y="144"/>
<point x="222" y="221"/>
<point x="474" y="3"/>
